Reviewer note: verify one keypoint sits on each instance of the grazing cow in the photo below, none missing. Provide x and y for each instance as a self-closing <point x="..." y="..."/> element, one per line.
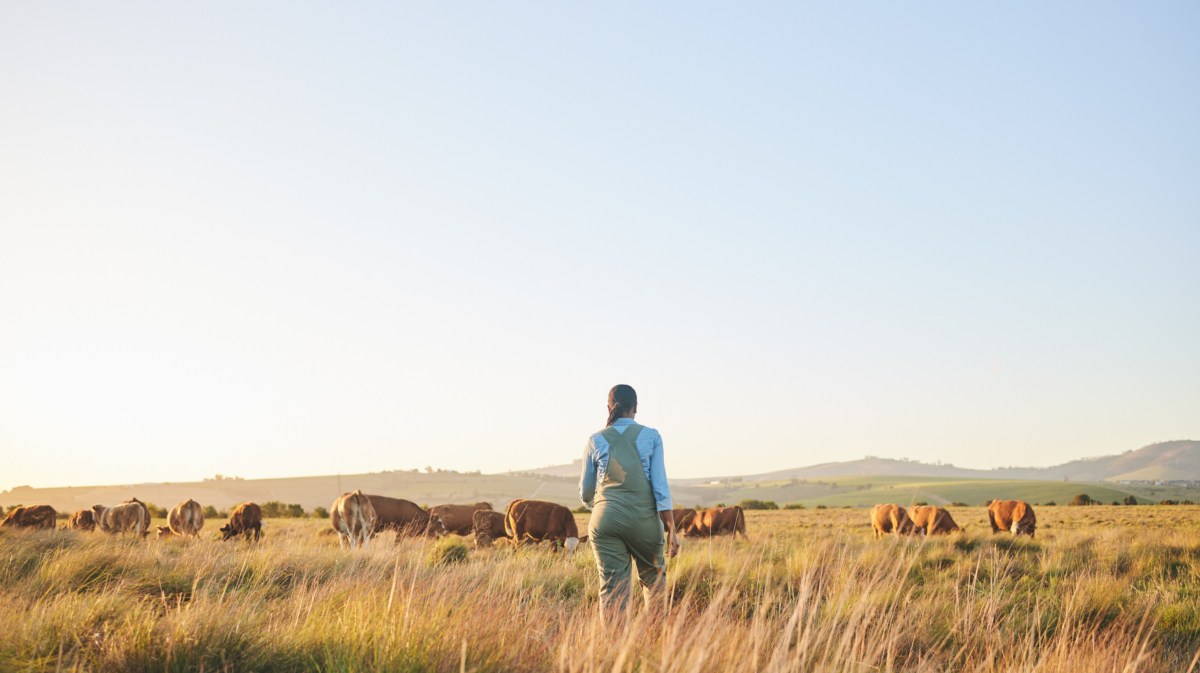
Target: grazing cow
<point x="488" y="526"/>
<point x="245" y="520"/>
<point x="683" y="519"/>
<point x="405" y="517"/>
<point x="130" y="516"/>
<point x="353" y="517"/>
<point x="35" y="516"/>
<point x="890" y="519"/>
<point x="538" y="521"/>
<point x="718" y="521"/>
<point x="931" y="520"/>
<point x="164" y="533"/>
<point x="459" y="519"/>
<point x="84" y="520"/>
<point x="186" y="518"/>
<point x="1012" y="515"/>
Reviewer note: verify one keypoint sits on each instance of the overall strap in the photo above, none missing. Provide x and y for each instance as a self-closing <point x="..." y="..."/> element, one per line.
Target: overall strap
<point x="630" y="435"/>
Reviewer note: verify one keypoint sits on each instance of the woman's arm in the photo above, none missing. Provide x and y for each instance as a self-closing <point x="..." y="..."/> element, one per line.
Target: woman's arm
<point x="587" y="480"/>
<point x="662" y="495"/>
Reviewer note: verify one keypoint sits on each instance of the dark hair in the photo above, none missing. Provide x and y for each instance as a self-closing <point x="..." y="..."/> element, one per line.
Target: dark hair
<point x="621" y="400"/>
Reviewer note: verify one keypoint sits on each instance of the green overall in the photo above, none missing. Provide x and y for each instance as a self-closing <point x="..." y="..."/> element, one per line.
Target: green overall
<point x="625" y="525"/>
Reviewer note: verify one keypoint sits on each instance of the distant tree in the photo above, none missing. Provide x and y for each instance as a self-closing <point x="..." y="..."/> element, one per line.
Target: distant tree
<point x="820" y="507"/>
<point x="921" y="503"/>
<point x="959" y="504"/>
<point x="1129" y="500"/>
<point x="794" y="505"/>
<point x="156" y="511"/>
<point x="582" y="509"/>
<point x="1050" y="503"/>
<point x="1187" y="502"/>
<point x="758" y="504"/>
<point x="210" y="512"/>
<point x="320" y="512"/>
<point x="1081" y="500"/>
<point x="273" y="509"/>
<point x="1168" y="502"/>
<point x="987" y="503"/>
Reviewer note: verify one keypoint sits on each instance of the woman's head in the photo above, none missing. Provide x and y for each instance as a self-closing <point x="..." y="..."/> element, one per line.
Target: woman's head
<point x="622" y="401"/>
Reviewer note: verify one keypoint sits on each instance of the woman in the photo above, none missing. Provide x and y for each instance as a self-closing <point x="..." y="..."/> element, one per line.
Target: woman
<point x="625" y="483"/>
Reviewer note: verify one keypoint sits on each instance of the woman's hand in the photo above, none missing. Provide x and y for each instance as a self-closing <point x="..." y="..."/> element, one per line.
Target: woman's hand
<point x="672" y="545"/>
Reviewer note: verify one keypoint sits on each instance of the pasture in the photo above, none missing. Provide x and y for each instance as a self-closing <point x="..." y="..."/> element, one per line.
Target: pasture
<point x="1100" y="589"/>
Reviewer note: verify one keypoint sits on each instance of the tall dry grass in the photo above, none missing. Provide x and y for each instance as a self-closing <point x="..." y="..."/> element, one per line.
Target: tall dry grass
<point x="1101" y="589"/>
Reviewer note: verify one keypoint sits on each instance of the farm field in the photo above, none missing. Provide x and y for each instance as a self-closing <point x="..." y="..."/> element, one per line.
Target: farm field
<point x="1100" y="589"/>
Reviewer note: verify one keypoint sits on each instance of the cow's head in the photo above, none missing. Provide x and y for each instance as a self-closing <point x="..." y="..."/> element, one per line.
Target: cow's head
<point x="164" y="532"/>
<point x="227" y="532"/>
<point x="436" y="527"/>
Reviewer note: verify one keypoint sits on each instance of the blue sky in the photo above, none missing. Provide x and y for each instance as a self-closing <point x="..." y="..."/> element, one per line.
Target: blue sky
<point x="293" y="238"/>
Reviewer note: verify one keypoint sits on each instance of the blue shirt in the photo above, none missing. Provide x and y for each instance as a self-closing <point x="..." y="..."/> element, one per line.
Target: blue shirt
<point x="650" y="450"/>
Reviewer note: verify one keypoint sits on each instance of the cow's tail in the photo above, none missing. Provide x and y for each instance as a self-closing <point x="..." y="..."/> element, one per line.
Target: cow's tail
<point x="364" y="526"/>
<point x="740" y="523"/>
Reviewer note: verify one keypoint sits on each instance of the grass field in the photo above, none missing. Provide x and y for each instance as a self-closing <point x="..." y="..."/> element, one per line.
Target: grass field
<point x="1100" y="589"/>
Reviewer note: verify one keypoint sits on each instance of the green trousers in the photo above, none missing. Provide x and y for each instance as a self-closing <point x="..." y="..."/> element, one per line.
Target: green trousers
<point x="621" y="543"/>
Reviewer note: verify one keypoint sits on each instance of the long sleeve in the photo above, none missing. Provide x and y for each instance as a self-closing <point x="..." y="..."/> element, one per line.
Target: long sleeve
<point x="658" y="476"/>
<point x="587" y="479"/>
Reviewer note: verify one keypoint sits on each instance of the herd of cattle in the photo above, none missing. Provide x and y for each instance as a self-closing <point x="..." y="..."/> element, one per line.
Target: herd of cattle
<point x="1015" y="516"/>
<point x="357" y="517"/>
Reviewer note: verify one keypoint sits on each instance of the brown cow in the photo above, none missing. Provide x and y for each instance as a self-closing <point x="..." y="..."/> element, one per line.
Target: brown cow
<point x="538" y="521"/>
<point x="683" y="519"/>
<point x="718" y="521"/>
<point x="84" y="520"/>
<point x="353" y="517"/>
<point x="405" y="517"/>
<point x="186" y="518"/>
<point x="1012" y="515"/>
<point x="165" y="532"/>
<point x="931" y="520"/>
<point x="245" y="520"/>
<point x="488" y="526"/>
<point x="890" y="519"/>
<point x="459" y="519"/>
<point x="34" y="516"/>
<point x="130" y="516"/>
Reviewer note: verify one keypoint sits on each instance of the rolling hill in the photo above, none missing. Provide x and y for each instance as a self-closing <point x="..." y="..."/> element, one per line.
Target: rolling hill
<point x="852" y="483"/>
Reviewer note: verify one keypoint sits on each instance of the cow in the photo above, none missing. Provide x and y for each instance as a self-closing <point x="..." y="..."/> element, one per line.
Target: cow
<point x="245" y="520"/>
<point x="718" y="521"/>
<point x="165" y="533"/>
<point x="459" y="519"/>
<point x="186" y="518"/>
<point x="405" y="517"/>
<point x="890" y="519"/>
<point x="930" y="520"/>
<point x="38" y="517"/>
<point x="1012" y="515"/>
<point x="488" y="526"/>
<point x="353" y="517"/>
<point x="683" y="519"/>
<point x="131" y="516"/>
<point x="84" y="520"/>
<point x="539" y="521"/>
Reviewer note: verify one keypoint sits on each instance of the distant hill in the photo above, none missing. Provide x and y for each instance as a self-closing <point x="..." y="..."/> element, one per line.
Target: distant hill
<point x="1166" y="461"/>
<point x="853" y="483"/>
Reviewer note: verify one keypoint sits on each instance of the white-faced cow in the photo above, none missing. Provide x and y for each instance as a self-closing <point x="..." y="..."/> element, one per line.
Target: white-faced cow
<point x="538" y="521"/>
<point x="1012" y="515"/>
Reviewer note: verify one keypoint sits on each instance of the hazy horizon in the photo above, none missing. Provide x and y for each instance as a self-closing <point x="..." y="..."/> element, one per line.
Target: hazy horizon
<point x="267" y="240"/>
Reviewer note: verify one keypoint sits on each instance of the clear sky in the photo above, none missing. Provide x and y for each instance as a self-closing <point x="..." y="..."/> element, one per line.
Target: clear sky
<point x="286" y="238"/>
